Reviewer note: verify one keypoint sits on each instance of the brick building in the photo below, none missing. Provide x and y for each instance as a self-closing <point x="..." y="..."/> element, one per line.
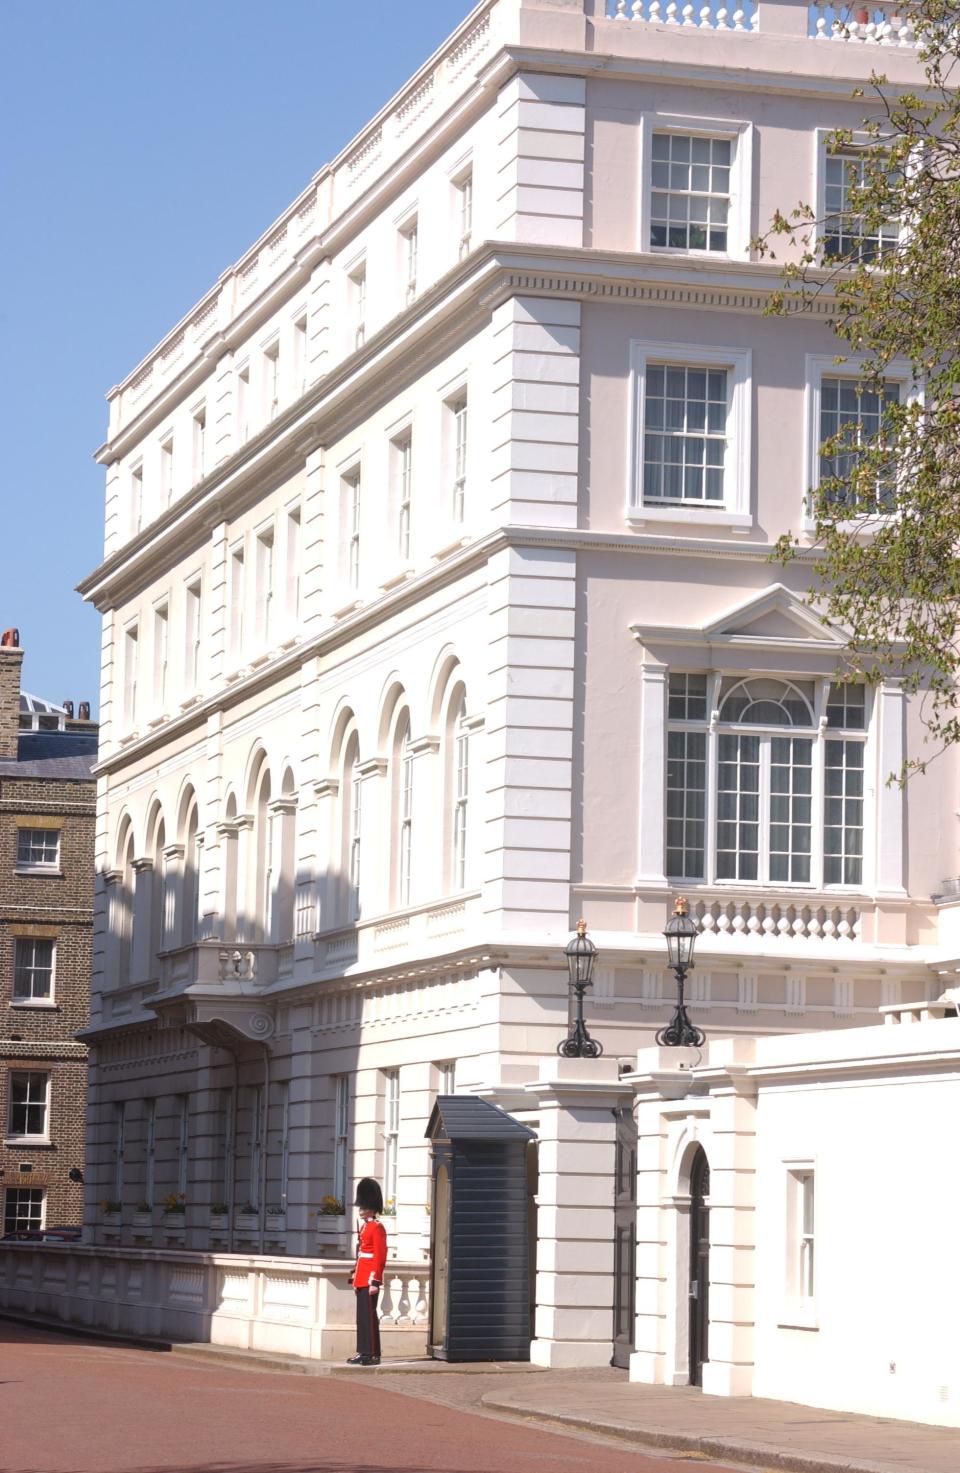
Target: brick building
<point x="47" y="816"/>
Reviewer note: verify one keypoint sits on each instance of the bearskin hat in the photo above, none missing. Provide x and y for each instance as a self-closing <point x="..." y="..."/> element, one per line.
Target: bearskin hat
<point x="369" y="1197"/>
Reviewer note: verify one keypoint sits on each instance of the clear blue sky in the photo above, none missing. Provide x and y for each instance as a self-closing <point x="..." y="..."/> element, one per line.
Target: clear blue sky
<point x="144" y="144"/>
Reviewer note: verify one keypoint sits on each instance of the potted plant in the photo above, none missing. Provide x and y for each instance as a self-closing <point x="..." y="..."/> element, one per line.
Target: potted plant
<point x="219" y="1216"/>
<point x="333" y="1232"/>
<point x="174" y="1210"/>
<point x="248" y="1218"/>
<point x="331" y="1207"/>
<point x="389" y="1208"/>
<point x="143" y="1214"/>
<point x="112" y="1213"/>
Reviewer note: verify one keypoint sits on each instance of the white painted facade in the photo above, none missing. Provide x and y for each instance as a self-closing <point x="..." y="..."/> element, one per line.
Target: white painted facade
<point x="392" y="637"/>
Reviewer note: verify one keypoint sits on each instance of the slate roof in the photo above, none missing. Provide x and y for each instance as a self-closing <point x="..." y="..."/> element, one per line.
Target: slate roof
<point x="66" y="755"/>
<point x="464" y="1117"/>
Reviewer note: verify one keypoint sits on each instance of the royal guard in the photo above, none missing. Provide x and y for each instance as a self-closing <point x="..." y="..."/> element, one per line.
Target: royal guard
<point x="368" y="1272"/>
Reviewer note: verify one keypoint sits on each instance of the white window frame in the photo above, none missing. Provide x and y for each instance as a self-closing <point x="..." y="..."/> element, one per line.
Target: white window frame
<point x="799" y="1308"/>
<point x="446" y="1077"/>
<point x="193" y="631"/>
<point x="391" y="1137"/>
<point x="243" y="403"/>
<point x="166" y="470"/>
<point x="238" y="593"/>
<point x="819" y="734"/>
<point x="199" y="423"/>
<point x="819" y="182"/>
<point x="42" y="866"/>
<point x="161" y="652"/>
<point x="817" y="367"/>
<point x="37" y="1138"/>
<point x="131" y="661"/>
<point x="735" y="509"/>
<point x="265" y="572"/>
<point x="136" y="498"/>
<point x="409" y="232"/>
<point x="461" y="176"/>
<point x="740" y="133"/>
<point x="294" y="559"/>
<point x="405" y="806"/>
<point x="34" y="1001"/>
<point x="341" y="1136"/>
<point x="299" y="332"/>
<point x="41" y="1192"/>
<point x="351" y="503"/>
<point x="271" y="379"/>
<point x="401" y="455"/>
<point x="357" y="300"/>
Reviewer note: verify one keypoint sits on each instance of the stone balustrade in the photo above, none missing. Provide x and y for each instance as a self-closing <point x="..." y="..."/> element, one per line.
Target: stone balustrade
<point x="739" y="15"/>
<point x="299" y="1306"/>
<point x="754" y="920"/>
<point x="876" y="24"/>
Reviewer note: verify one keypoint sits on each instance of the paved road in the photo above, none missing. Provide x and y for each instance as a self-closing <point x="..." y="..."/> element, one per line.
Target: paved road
<point x="76" y="1406"/>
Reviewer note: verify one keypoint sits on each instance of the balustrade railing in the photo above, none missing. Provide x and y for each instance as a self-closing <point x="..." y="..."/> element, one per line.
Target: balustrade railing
<point x="879" y="24"/>
<point x="738" y="15"/>
<point x="771" y="920"/>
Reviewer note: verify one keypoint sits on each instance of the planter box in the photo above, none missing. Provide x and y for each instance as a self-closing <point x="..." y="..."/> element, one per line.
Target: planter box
<point x="219" y="1222"/>
<point x="247" y="1222"/>
<point x="276" y="1222"/>
<point x="174" y="1222"/>
<point x="143" y="1219"/>
<point x="112" y="1221"/>
<point x="335" y="1236"/>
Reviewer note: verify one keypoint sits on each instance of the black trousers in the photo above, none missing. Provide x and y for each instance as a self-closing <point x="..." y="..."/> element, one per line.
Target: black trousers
<point x="368" y="1323"/>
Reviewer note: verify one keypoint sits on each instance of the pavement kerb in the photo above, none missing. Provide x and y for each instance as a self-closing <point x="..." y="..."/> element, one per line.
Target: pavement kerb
<point x="752" y="1454"/>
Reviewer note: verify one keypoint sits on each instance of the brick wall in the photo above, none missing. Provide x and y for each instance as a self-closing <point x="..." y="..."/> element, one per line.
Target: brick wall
<point x="59" y="906"/>
<point x="10" y="663"/>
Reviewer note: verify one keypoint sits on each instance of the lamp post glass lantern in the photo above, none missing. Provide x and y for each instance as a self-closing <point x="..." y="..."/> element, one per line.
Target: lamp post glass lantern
<point x="681" y="933"/>
<point x="581" y="955"/>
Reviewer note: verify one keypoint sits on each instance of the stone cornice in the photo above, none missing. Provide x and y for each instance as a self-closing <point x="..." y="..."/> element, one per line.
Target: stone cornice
<point x="456" y="305"/>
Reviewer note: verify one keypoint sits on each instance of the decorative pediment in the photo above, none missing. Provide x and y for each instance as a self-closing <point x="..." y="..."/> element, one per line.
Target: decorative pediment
<point x="774" y="618"/>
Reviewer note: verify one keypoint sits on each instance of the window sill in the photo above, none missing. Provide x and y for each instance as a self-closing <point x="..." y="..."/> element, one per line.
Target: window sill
<point x="394" y="581"/>
<point x="798" y="1318"/>
<point x="348" y="608"/>
<point x="39" y="1003"/>
<point x="865" y="524"/>
<point x="38" y="871"/>
<point x="35" y="1142"/>
<point x="448" y="548"/>
<point x="638" y="516"/>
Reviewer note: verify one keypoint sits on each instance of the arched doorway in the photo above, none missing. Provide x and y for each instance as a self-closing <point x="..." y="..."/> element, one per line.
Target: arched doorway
<point x="699" y="1290"/>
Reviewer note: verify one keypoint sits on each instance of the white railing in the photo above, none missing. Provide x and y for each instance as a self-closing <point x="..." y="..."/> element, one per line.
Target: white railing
<point x="715" y="15"/>
<point x="875" y="24"/>
<point x="393" y="935"/>
<point x="301" y="1306"/>
<point x="776" y="920"/>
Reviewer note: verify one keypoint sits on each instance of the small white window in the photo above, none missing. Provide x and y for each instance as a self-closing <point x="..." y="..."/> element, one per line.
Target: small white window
<point x="352" y="525"/>
<point x="800" y="1278"/>
<point x="841" y="404"/>
<point x="357" y="282"/>
<point x="846" y="234"/>
<point x="461" y="799"/>
<point x="409" y="248"/>
<point x="294" y="562"/>
<point x="38" y="848"/>
<point x="391" y="1138"/>
<point x="300" y="354"/>
<point x="265" y="587"/>
<point x="355" y="837"/>
<point x="456" y="437"/>
<point x="194" y="633"/>
<point x="131" y="639"/>
<point x="166" y="472"/>
<point x="403" y="474"/>
<point x="464" y="189"/>
<point x="136" y="499"/>
<point x="447" y="1077"/>
<point x="238" y="593"/>
<point x="243" y="403"/>
<point x="29" y="1105"/>
<point x="23" y="1209"/>
<point x="271" y="381"/>
<point x="341" y="1137"/>
<point x="33" y="963"/>
<point x="199" y="442"/>
<point x="405" y="816"/>
<point x="161" y="645"/>
<point x="695" y="194"/>
<point x="692" y="434"/>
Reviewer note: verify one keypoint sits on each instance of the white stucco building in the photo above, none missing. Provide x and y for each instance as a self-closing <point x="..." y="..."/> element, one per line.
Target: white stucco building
<point x="438" y="610"/>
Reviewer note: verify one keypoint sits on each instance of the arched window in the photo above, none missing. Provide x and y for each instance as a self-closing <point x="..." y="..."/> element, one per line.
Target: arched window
<point x="265" y="857"/>
<point x="189" y="915"/>
<point x="283" y="845"/>
<point x="402" y="812"/>
<point x="352" y="812"/>
<point x="457" y="786"/>
<point x="772" y="792"/>
<point x="230" y="854"/>
<point x="122" y="911"/>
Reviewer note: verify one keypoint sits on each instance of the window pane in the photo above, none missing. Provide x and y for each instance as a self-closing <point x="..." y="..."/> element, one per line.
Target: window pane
<point x="690" y="185"/>
<point x="843" y="813"/>
<point x="738" y="789"/>
<point x="686" y="800"/>
<point x="685" y="413"/>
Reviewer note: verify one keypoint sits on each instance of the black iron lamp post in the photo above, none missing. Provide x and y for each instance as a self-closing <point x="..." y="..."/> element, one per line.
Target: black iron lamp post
<point x="581" y="955"/>
<point x="681" y="933"/>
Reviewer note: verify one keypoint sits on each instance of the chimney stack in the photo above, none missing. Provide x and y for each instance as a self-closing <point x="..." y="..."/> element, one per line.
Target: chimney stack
<point x="11" y="659"/>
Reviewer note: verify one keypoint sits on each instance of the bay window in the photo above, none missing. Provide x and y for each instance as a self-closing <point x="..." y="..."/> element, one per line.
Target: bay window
<point x="767" y="792"/>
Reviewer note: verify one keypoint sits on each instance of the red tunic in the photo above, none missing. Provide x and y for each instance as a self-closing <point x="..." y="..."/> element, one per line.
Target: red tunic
<point x="371" y="1254"/>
